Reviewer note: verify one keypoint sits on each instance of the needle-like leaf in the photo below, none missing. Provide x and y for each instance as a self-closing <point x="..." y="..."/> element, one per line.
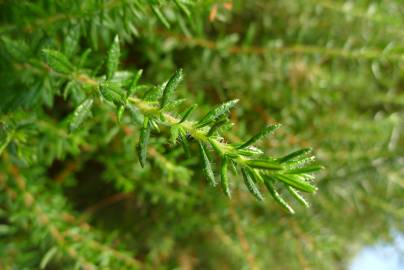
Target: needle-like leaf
<point x="276" y="196"/>
<point x="80" y="113"/>
<point x="249" y="182"/>
<point x="207" y="167"/>
<point x="294" y="155"/>
<point x="224" y="177"/>
<point x="113" y="58"/>
<point x="143" y="141"/>
<point x="187" y="113"/>
<point x="263" y="133"/>
<point x="171" y="85"/>
<point x="264" y="164"/>
<point x="307" y="169"/>
<point x="133" y="83"/>
<point x="112" y="92"/>
<point x="216" y="113"/>
<point x="298" y="197"/>
<point x="58" y="61"/>
<point x="295" y="181"/>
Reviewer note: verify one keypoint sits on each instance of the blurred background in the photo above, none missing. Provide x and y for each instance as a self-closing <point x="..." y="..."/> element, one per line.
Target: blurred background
<point x="332" y="72"/>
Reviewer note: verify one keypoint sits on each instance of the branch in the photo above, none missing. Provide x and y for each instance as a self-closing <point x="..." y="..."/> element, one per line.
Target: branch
<point x="158" y="107"/>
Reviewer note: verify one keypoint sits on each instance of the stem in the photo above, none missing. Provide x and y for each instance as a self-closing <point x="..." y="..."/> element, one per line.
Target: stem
<point x="189" y="126"/>
<point x="199" y="134"/>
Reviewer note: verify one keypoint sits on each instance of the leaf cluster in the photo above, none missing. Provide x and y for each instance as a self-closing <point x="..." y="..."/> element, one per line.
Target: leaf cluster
<point x="158" y="107"/>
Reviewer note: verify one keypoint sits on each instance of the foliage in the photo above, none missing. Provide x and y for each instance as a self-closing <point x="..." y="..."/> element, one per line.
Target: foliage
<point x="104" y="150"/>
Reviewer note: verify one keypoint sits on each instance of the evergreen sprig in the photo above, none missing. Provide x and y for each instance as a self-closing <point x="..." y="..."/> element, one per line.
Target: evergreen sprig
<point x="257" y="169"/>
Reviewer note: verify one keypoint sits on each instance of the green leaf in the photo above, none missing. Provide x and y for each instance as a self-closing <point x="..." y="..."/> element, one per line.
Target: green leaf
<point x="298" y="197"/>
<point x="113" y="58"/>
<point x="295" y="181"/>
<point x="265" y="164"/>
<point x="233" y="167"/>
<point x="207" y="167"/>
<point x="18" y="50"/>
<point x="133" y="83"/>
<point x="263" y="133"/>
<point x="172" y="84"/>
<point x="58" y="61"/>
<point x="249" y="182"/>
<point x="187" y="113"/>
<point x="294" y="155"/>
<point x="154" y="125"/>
<point x="224" y="177"/>
<point x="81" y="113"/>
<point x="183" y="8"/>
<point x="113" y="93"/>
<point x="307" y="169"/>
<point x="161" y="16"/>
<point x="47" y="257"/>
<point x="119" y="113"/>
<point x="301" y="161"/>
<point x="83" y="58"/>
<point x="250" y="151"/>
<point x="143" y="141"/>
<point x="276" y="196"/>
<point x="174" y="132"/>
<point x="216" y="113"/>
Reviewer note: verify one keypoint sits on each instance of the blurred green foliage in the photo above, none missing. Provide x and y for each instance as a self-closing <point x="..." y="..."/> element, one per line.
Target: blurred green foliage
<point x="73" y="103"/>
